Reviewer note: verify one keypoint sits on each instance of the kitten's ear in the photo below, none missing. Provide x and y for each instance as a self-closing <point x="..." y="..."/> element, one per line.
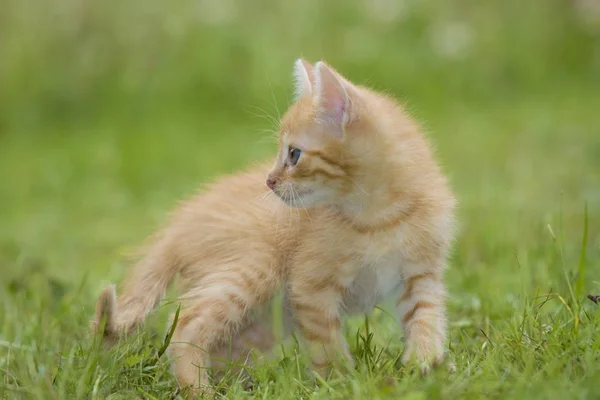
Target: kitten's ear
<point x="332" y="103"/>
<point x="303" y="77"/>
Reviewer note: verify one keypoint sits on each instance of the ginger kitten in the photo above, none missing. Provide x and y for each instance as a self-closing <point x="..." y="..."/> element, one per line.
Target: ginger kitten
<point x="360" y="212"/>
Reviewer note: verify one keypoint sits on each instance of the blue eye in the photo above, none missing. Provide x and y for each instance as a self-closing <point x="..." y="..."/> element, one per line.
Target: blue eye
<point x="294" y="155"/>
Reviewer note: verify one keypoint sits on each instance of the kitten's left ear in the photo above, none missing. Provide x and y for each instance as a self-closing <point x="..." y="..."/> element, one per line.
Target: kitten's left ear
<point x="331" y="99"/>
<point x="303" y="77"/>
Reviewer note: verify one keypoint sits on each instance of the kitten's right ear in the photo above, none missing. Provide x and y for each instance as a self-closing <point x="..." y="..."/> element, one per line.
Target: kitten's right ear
<point x="303" y="77"/>
<point x="333" y="104"/>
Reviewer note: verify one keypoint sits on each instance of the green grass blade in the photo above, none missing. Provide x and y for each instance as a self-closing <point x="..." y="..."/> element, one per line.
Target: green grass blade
<point x="583" y="254"/>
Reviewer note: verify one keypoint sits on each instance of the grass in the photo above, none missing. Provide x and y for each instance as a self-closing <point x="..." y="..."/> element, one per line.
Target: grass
<point x="105" y="124"/>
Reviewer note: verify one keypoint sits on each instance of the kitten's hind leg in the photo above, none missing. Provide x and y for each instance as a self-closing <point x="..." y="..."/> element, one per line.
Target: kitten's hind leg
<point x="211" y="312"/>
<point x="254" y="339"/>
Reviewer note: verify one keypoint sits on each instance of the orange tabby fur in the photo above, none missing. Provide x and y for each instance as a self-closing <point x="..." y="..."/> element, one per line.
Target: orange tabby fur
<point x="364" y="214"/>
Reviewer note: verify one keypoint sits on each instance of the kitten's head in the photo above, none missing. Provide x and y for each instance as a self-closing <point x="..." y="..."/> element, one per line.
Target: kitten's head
<point x="321" y="141"/>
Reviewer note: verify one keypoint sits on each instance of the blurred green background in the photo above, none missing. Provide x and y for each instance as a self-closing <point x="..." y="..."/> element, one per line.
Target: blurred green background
<point x="112" y="111"/>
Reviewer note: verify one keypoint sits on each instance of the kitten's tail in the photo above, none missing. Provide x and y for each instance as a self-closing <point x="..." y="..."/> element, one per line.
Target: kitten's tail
<point x="143" y="289"/>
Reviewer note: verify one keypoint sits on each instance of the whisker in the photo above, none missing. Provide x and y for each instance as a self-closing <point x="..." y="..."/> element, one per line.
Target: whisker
<point x="264" y="115"/>
<point x="294" y="197"/>
<point x="292" y="212"/>
<point x="304" y="208"/>
<point x="274" y="99"/>
<point x="277" y="216"/>
<point x="263" y="197"/>
<point x="355" y="184"/>
<point x="267" y="134"/>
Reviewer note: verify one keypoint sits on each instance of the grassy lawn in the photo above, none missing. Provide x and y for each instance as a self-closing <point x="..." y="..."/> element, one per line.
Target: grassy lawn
<point x="106" y="123"/>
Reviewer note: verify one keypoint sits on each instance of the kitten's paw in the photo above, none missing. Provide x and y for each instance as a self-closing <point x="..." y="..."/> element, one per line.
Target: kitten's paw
<point x="451" y="367"/>
<point x="322" y="370"/>
<point x="417" y="367"/>
<point x="421" y="360"/>
<point x="341" y="365"/>
<point x="425" y="365"/>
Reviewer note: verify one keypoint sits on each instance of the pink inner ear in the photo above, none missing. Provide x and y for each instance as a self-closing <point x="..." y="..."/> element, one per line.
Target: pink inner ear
<point x="331" y="98"/>
<point x="332" y="102"/>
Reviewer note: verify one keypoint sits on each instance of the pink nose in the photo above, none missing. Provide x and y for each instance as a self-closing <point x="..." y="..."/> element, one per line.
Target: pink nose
<point x="271" y="183"/>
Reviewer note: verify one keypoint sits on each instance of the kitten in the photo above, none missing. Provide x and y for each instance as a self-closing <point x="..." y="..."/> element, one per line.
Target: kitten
<point x="368" y="215"/>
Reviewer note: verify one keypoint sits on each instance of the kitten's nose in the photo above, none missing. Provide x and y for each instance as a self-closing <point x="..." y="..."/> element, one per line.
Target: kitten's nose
<point x="271" y="182"/>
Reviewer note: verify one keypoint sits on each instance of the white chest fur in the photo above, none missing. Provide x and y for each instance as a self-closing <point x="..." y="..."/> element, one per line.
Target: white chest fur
<point x="373" y="283"/>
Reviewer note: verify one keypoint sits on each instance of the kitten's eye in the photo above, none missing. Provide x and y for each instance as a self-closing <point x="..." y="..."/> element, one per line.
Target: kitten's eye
<point x="294" y="155"/>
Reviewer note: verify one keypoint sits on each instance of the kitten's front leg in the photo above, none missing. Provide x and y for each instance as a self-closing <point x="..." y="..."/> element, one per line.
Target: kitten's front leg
<point x="422" y="311"/>
<point x="317" y="311"/>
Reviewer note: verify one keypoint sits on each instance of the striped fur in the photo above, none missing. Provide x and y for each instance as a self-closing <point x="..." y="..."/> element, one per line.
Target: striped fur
<point x="364" y="212"/>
